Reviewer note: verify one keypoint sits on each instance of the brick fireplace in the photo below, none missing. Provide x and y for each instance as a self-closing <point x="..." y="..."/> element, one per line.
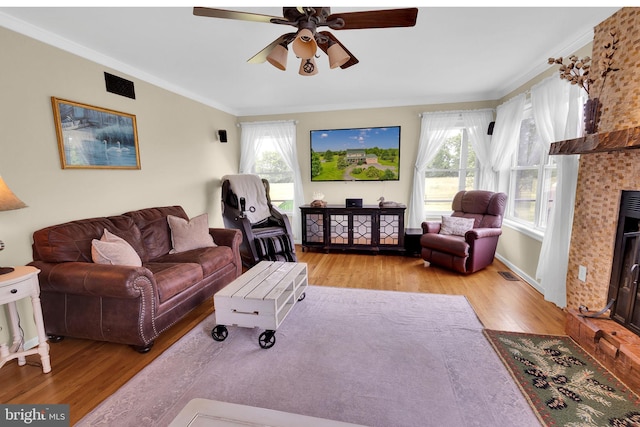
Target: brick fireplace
<point x="609" y="164"/>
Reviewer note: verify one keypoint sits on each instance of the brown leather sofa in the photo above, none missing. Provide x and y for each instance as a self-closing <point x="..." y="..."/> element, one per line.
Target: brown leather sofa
<point x="469" y="250"/>
<point x="126" y="304"/>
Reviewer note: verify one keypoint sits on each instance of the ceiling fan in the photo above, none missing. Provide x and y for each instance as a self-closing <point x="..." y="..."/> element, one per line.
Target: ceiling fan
<point x="307" y="38"/>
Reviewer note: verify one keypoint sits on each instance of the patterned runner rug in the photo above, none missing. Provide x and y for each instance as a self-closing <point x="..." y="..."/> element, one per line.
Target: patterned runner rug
<point x="564" y="384"/>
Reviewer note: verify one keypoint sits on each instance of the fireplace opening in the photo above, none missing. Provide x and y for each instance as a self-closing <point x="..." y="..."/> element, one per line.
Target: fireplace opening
<point x="623" y="287"/>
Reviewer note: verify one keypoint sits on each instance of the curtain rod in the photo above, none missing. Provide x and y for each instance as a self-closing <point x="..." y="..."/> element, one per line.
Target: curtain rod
<point x="459" y="112"/>
<point x="295" y="122"/>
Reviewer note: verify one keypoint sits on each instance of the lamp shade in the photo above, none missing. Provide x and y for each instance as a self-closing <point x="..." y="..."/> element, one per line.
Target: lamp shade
<point x="278" y="57"/>
<point x="8" y="200"/>
<point x="337" y="55"/>
<point x="308" y="67"/>
<point x="304" y="45"/>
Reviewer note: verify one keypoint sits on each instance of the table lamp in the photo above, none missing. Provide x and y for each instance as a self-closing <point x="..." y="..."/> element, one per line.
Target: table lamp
<point x="8" y="201"/>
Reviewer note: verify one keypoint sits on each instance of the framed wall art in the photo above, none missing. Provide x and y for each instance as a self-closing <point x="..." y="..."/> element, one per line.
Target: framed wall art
<point x="95" y="138"/>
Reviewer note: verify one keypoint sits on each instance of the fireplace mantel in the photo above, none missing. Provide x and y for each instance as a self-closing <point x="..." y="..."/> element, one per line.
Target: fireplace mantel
<point x="599" y="142"/>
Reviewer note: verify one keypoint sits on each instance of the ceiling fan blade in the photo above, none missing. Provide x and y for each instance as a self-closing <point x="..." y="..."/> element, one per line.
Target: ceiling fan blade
<point x="261" y="56"/>
<point x="231" y="14"/>
<point x="324" y="46"/>
<point x="376" y="19"/>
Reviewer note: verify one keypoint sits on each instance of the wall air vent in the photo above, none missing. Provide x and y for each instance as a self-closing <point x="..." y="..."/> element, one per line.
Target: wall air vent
<point x="119" y="86"/>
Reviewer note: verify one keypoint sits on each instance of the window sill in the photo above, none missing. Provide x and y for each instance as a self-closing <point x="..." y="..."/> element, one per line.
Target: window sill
<point x="528" y="231"/>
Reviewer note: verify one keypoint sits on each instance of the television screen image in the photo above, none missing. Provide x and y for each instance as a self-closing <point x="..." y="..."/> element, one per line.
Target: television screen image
<point x="360" y="154"/>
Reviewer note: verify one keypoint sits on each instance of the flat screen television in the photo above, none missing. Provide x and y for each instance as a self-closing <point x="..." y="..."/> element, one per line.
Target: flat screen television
<point x="357" y="154"/>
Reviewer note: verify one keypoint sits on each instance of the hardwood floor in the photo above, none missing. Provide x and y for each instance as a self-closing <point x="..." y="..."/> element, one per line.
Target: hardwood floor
<point x="86" y="372"/>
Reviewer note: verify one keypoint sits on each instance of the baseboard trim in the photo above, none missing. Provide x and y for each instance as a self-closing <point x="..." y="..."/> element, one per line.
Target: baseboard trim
<point x="530" y="280"/>
<point x="30" y="343"/>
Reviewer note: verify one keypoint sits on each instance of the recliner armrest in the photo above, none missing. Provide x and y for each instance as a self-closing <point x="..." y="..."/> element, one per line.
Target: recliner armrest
<point x="431" y="227"/>
<point x="479" y="233"/>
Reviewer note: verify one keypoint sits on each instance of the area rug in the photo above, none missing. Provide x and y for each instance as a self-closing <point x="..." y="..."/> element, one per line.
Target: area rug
<point x="565" y="385"/>
<point x="376" y="358"/>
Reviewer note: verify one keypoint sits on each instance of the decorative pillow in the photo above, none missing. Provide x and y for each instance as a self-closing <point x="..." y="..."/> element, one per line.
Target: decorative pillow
<point x="114" y="250"/>
<point x="457" y="226"/>
<point x="192" y="234"/>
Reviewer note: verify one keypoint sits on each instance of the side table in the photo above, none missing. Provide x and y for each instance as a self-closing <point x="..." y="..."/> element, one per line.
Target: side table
<point x="412" y="241"/>
<point x="22" y="283"/>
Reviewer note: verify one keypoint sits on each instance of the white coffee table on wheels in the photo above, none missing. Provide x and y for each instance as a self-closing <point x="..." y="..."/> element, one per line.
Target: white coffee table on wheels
<point x="260" y="298"/>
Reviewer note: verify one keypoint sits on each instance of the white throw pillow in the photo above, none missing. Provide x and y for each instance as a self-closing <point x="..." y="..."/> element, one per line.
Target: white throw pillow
<point x="114" y="250"/>
<point x="192" y="234"/>
<point x="457" y="226"/>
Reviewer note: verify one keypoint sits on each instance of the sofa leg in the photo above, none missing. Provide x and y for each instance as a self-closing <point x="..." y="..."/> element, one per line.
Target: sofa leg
<point x="427" y="263"/>
<point x="143" y="348"/>
<point x="54" y="338"/>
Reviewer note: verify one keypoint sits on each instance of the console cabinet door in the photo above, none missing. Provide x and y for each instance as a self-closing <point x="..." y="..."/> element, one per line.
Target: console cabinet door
<point x="339" y="228"/>
<point x="391" y="228"/>
<point x="352" y="228"/>
<point x="313" y="227"/>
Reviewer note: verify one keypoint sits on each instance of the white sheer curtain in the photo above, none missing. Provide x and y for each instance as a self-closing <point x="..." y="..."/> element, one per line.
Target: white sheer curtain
<point x="506" y="134"/>
<point x="557" y="110"/>
<point x="433" y="132"/>
<point x="283" y="135"/>
<point x="476" y="122"/>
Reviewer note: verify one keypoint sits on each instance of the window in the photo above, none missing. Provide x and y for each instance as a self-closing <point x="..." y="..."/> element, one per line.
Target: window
<point x="532" y="178"/>
<point x="271" y="166"/>
<point x="453" y="169"/>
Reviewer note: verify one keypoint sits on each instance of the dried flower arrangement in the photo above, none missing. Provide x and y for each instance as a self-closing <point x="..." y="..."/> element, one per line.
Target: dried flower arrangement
<point x="578" y="70"/>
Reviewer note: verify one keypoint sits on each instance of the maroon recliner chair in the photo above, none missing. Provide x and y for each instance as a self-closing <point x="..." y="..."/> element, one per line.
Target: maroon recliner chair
<point x="465" y="242"/>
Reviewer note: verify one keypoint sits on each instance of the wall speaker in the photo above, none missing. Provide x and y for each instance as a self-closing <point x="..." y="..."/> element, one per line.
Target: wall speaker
<point x="490" y="130"/>
<point x="222" y="135"/>
<point x="119" y="86"/>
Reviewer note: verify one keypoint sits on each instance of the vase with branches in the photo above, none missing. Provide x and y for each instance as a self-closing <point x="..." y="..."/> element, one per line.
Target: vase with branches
<point x="577" y="71"/>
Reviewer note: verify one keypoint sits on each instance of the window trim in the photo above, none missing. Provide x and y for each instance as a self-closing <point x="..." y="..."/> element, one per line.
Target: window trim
<point x="535" y="229"/>
<point x="465" y="143"/>
<point x="267" y="145"/>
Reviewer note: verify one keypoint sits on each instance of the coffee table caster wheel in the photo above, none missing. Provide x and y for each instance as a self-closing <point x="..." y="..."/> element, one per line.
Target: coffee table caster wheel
<point x="302" y="296"/>
<point x="219" y="333"/>
<point x="267" y="339"/>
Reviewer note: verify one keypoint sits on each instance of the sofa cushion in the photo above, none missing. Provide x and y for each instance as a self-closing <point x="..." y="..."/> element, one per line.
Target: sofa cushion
<point x="456" y="226"/>
<point x="173" y="278"/>
<point x="191" y="234"/>
<point x="113" y="250"/>
<point x="153" y="225"/>
<point x="71" y="241"/>
<point x="210" y="259"/>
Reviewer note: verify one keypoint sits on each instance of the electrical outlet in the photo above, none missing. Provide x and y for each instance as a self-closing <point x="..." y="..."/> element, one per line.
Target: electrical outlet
<point x="582" y="273"/>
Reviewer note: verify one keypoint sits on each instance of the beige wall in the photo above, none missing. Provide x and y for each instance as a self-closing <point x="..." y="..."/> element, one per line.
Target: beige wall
<point x="181" y="159"/>
<point x="370" y="191"/>
<point x="520" y="252"/>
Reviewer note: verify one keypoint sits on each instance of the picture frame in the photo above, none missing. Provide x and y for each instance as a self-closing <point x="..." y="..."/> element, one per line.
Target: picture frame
<point x="92" y="137"/>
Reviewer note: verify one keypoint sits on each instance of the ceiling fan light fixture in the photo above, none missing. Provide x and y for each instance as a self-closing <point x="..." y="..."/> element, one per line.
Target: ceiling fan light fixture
<point x="308" y="67"/>
<point x="278" y="57"/>
<point x="337" y="55"/>
<point x="305" y="45"/>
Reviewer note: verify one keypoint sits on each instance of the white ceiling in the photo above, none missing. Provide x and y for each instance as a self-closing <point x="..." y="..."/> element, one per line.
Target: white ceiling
<point x="453" y="54"/>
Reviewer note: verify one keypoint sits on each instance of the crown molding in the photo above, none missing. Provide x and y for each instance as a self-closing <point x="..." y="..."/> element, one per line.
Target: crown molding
<point x="67" y="45"/>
